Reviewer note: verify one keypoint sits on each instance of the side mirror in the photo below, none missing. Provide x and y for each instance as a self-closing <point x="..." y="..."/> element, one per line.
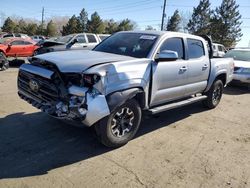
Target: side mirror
<point x="75" y="41"/>
<point x="9" y="45"/>
<point x="167" y="55"/>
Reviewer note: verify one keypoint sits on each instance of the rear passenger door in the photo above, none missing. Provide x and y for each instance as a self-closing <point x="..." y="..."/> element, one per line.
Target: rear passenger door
<point x="28" y="48"/>
<point x="92" y="41"/>
<point x="198" y="66"/>
<point x="169" y="77"/>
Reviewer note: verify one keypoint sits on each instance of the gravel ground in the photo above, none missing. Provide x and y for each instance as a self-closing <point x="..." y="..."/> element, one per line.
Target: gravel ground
<point x="187" y="147"/>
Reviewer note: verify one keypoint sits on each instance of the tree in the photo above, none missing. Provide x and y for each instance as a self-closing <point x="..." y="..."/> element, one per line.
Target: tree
<point x="225" y="23"/>
<point x="95" y="24"/>
<point x="31" y="29"/>
<point x="174" y="22"/>
<point x="126" y="25"/>
<point x="83" y="18"/>
<point x="21" y="26"/>
<point x="200" y="22"/>
<point x="73" y="26"/>
<point x="185" y="17"/>
<point x="51" y="29"/>
<point x="59" y="22"/>
<point x="149" y="28"/>
<point x="110" y="26"/>
<point x="8" y="25"/>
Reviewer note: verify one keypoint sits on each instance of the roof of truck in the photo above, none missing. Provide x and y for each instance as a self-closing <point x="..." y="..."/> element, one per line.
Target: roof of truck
<point x="161" y="33"/>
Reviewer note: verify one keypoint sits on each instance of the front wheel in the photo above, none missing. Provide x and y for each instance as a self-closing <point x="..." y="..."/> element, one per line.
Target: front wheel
<point x="121" y="125"/>
<point x="214" y="94"/>
<point x="4" y="63"/>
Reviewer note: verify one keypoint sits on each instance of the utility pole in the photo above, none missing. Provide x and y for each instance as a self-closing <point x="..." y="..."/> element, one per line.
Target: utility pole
<point x="163" y="15"/>
<point x="42" y="19"/>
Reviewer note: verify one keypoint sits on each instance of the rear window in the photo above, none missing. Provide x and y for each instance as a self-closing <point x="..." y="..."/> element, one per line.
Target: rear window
<point x="195" y="48"/>
<point x="27" y="43"/>
<point x="91" y="38"/>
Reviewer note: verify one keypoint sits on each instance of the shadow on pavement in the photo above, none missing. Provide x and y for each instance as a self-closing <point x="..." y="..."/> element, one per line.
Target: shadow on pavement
<point x="16" y="62"/>
<point x="236" y="90"/>
<point x="33" y="144"/>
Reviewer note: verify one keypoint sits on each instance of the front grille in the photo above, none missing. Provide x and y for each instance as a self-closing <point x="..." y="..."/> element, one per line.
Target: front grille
<point x="47" y="92"/>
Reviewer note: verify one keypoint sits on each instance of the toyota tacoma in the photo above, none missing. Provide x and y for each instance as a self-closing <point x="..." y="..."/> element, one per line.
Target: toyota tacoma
<point x="128" y="73"/>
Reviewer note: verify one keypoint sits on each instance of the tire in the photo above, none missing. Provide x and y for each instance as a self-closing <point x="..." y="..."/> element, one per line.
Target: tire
<point x="120" y="126"/>
<point x="4" y="63"/>
<point x="214" y="95"/>
<point x="35" y="53"/>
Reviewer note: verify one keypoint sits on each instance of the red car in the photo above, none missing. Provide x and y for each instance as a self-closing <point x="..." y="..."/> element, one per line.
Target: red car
<point x="17" y="47"/>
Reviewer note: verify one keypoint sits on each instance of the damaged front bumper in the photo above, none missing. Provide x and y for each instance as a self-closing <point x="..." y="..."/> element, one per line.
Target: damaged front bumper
<point x="93" y="107"/>
<point x="79" y="104"/>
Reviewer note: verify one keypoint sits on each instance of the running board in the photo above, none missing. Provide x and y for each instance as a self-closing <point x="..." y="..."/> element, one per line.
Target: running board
<point x="160" y="109"/>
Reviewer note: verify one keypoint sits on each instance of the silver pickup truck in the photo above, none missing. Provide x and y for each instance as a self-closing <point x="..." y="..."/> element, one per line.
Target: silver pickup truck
<point x="125" y="75"/>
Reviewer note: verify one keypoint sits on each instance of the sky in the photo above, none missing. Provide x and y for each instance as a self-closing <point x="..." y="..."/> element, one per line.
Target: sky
<point x="143" y="12"/>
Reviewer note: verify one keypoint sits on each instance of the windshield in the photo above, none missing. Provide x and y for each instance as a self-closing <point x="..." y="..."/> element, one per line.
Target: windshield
<point x="128" y="44"/>
<point x="64" y="39"/>
<point x="241" y="55"/>
<point x="102" y="37"/>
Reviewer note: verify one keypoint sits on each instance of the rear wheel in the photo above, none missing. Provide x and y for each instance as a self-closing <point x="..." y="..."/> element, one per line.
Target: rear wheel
<point x="120" y="126"/>
<point x="214" y="94"/>
<point x="4" y="63"/>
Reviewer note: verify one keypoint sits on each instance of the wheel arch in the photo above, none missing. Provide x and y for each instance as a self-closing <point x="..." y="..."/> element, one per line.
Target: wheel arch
<point x="2" y="51"/>
<point x="118" y="98"/>
<point x="221" y="75"/>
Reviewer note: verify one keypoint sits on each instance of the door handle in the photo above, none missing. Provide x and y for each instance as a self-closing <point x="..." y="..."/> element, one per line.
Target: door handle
<point x="85" y="46"/>
<point x="183" y="69"/>
<point x="205" y="67"/>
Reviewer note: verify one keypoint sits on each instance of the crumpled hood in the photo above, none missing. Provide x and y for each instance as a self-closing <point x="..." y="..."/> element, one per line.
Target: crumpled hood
<point x="80" y="60"/>
<point x="244" y="64"/>
<point x="51" y="43"/>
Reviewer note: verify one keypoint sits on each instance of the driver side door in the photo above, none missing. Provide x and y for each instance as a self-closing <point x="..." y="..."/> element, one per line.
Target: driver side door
<point x="81" y="42"/>
<point x="15" y="48"/>
<point x="169" y="77"/>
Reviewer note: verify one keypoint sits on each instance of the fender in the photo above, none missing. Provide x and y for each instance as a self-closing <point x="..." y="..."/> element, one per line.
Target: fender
<point x="120" y="97"/>
<point x="213" y="78"/>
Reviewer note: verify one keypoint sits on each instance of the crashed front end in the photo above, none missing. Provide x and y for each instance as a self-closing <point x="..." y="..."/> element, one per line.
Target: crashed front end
<point x="65" y="96"/>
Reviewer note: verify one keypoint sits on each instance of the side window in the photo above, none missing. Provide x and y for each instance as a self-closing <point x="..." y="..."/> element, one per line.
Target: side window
<point x="222" y="49"/>
<point x="27" y="43"/>
<point x="195" y="48"/>
<point x="174" y="44"/>
<point x="8" y="35"/>
<point x="17" y="42"/>
<point x="91" y="38"/>
<point x="81" y="39"/>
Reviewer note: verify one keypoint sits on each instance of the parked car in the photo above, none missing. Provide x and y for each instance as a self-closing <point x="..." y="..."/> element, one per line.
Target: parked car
<point x="10" y="35"/>
<point x="79" y="41"/>
<point x="242" y="66"/>
<point x="17" y="47"/>
<point x="127" y="73"/>
<point x="219" y="50"/>
<point x="102" y="36"/>
<point x="37" y="38"/>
